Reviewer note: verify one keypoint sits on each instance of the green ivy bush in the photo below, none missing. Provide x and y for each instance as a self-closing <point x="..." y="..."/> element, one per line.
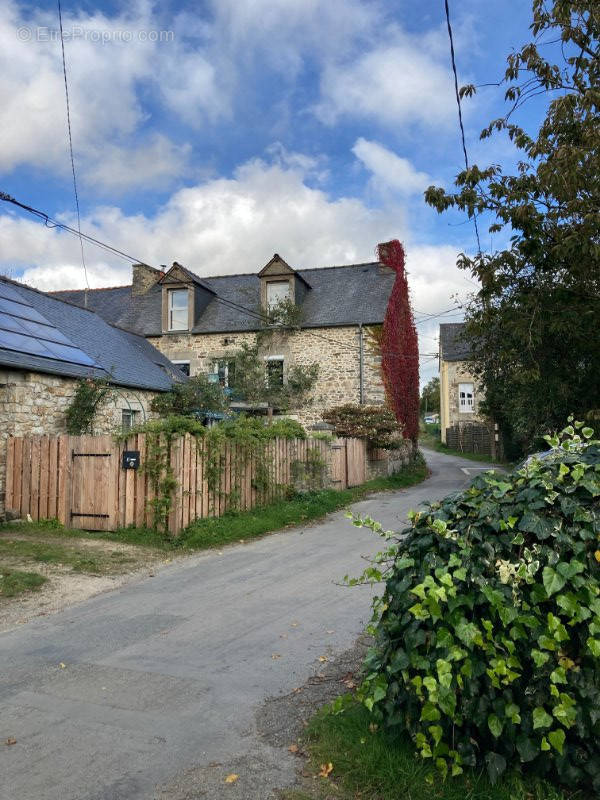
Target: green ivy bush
<point x="487" y="648"/>
<point x="377" y="424"/>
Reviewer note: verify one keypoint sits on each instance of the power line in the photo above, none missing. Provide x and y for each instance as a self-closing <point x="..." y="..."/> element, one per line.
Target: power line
<point x="64" y="66"/>
<point x="460" y="119"/>
<point x="51" y="223"/>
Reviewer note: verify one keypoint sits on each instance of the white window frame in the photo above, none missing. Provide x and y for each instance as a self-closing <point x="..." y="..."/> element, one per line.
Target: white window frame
<point x="274" y="302"/>
<point x="468" y="390"/>
<point x="171" y="294"/>
<point x="276" y="358"/>
<point x="132" y="414"/>
<point x="180" y="364"/>
<point x="215" y="366"/>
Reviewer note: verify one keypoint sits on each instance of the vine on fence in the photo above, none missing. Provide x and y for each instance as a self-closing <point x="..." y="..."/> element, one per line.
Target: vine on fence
<point x="250" y="438"/>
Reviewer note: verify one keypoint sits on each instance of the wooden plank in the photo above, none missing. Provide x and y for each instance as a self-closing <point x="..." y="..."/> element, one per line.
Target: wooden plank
<point x="9" y="475"/>
<point x="112" y="489"/>
<point x="193" y="478"/>
<point x="129" y="486"/>
<point x="34" y="491"/>
<point x="185" y="480"/>
<point x="63" y="502"/>
<point x="175" y="513"/>
<point x="26" y="480"/>
<point x="140" y="483"/>
<point x="52" y="476"/>
<point x="18" y="475"/>
<point x="44" y="477"/>
<point x="205" y="492"/>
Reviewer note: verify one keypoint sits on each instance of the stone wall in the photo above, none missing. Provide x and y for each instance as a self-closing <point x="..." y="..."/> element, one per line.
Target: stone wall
<point x="336" y="350"/>
<point x="35" y="403"/>
<point x="452" y="374"/>
<point x="381" y="463"/>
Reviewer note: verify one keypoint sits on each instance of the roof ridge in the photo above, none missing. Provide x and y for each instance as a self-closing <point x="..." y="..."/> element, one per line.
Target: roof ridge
<point x="300" y="269"/>
<point x="46" y="294"/>
<point x="96" y="289"/>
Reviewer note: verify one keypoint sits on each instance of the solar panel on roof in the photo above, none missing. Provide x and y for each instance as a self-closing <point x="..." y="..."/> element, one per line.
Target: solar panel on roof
<point x="24" y="330"/>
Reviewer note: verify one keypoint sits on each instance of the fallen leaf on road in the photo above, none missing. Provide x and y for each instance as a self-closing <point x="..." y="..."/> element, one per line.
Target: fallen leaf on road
<point x="297" y="689"/>
<point x="231" y="778"/>
<point x="283" y="635"/>
<point x="10" y="740"/>
<point x="349" y="683"/>
<point x="276" y="655"/>
<point x="293" y="748"/>
<point x="62" y="665"/>
<point x="326" y="770"/>
<point x="323" y="658"/>
<point x="330" y="631"/>
<point x="294" y="624"/>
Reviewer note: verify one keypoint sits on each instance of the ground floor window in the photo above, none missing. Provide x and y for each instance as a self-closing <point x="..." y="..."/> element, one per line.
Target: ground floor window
<point x="129" y="418"/>
<point x="225" y="369"/>
<point x="275" y="371"/>
<point x="184" y="366"/>
<point x="466" y="397"/>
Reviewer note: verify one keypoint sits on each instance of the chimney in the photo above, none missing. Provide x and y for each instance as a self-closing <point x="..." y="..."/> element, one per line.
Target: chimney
<point x="143" y="278"/>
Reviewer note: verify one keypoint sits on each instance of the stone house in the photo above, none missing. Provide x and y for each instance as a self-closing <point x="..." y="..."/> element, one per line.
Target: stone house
<point x="459" y="395"/>
<point x="200" y="323"/>
<point x="48" y="345"/>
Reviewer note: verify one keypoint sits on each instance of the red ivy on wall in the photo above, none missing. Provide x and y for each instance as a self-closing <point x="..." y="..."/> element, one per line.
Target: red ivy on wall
<point x="400" y="345"/>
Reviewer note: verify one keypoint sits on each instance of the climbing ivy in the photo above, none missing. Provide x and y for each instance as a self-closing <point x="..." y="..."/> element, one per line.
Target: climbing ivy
<point x="89" y="395"/>
<point x="487" y="636"/>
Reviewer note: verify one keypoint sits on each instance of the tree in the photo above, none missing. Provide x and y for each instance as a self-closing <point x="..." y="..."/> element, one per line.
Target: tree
<point x="430" y="396"/>
<point x="255" y="384"/>
<point x="190" y="397"/>
<point x="532" y="326"/>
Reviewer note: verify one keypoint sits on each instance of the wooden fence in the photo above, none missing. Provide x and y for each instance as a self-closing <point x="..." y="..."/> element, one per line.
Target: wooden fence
<point x="82" y="481"/>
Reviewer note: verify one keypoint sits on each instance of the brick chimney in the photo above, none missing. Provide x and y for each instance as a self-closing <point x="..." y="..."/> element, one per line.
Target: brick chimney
<point x="143" y="278"/>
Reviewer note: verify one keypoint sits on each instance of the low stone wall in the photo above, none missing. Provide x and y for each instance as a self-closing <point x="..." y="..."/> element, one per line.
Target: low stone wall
<point x="381" y="463"/>
<point x="36" y="403"/>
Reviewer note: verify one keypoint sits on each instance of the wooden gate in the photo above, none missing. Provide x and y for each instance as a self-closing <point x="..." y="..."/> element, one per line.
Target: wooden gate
<point x="94" y="483"/>
<point x="348" y="463"/>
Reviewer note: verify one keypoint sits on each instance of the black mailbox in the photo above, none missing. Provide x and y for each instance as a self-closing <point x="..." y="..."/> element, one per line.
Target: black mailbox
<point x="131" y="459"/>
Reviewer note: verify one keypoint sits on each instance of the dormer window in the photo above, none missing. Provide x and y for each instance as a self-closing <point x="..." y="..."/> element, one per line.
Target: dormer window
<point x="277" y="293"/>
<point x="178" y="309"/>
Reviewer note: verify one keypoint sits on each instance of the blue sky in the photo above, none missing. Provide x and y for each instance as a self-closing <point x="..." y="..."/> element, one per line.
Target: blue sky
<point x="217" y="133"/>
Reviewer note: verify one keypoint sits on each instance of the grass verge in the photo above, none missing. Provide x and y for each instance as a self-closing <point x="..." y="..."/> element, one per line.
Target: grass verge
<point x="434" y="443"/>
<point x="231" y="527"/>
<point x="13" y="582"/>
<point x="371" y="764"/>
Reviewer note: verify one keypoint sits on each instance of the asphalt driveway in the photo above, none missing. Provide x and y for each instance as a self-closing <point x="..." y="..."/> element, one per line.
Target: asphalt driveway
<point x="152" y="691"/>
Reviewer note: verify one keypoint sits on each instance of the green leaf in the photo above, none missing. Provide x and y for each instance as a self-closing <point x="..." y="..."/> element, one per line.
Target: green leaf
<point x="539" y="658"/>
<point x="553" y="582"/>
<point x="533" y="523"/>
<point x="496" y="765"/>
<point x="527" y="748"/>
<point x="557" y="740"/>
<point x="495" y="725"/>
<point x="541" y="718"/>
<point x="544" y="745"/>
<point x="594" y="646"/>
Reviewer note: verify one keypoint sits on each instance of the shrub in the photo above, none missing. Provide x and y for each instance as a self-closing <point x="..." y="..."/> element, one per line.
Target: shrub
<point x="191" y="397"/>
<point x="487" y="645"/>
<point x="376" y="424"/>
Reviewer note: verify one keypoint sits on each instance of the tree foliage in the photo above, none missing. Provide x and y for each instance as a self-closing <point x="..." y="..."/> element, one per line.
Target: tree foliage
<point x="252" y="384"/>
<point x="430" y="396"/>
<point x="400" y="346"/>
<point x="487" y="645"/>
<point x="190" y="398"/>
<point x="533" y="324"/>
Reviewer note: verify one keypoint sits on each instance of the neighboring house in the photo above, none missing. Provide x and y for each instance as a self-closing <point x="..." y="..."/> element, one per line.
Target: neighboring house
<point x="47" y="345"/>
<point x="199" y="323"/>
<point x="459" y="396"/>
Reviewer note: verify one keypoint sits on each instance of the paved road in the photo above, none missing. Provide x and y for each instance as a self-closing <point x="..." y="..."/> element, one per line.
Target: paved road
<point x="162" y="679"/>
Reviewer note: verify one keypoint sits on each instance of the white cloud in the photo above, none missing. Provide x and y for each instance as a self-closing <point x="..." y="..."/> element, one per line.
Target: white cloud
<point x="156" y="162"/>
<point x="402" y="82"/>
<point x="390" y="170"/>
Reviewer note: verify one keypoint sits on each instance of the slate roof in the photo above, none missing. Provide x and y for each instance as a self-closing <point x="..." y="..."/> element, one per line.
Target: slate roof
<point x="124" y="358"/>
<point x="342" y="295"/>
<point x="108" y="303"/>
<point x="452" y="346"/>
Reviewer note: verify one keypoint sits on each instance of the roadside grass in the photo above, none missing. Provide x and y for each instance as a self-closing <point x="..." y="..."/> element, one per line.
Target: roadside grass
<point x="14" y="582"/>
<point x="427" y="439"/>
<point x="80" y="559"/>
<point x="372" y="764"/>
<point x="233" y="526"/>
